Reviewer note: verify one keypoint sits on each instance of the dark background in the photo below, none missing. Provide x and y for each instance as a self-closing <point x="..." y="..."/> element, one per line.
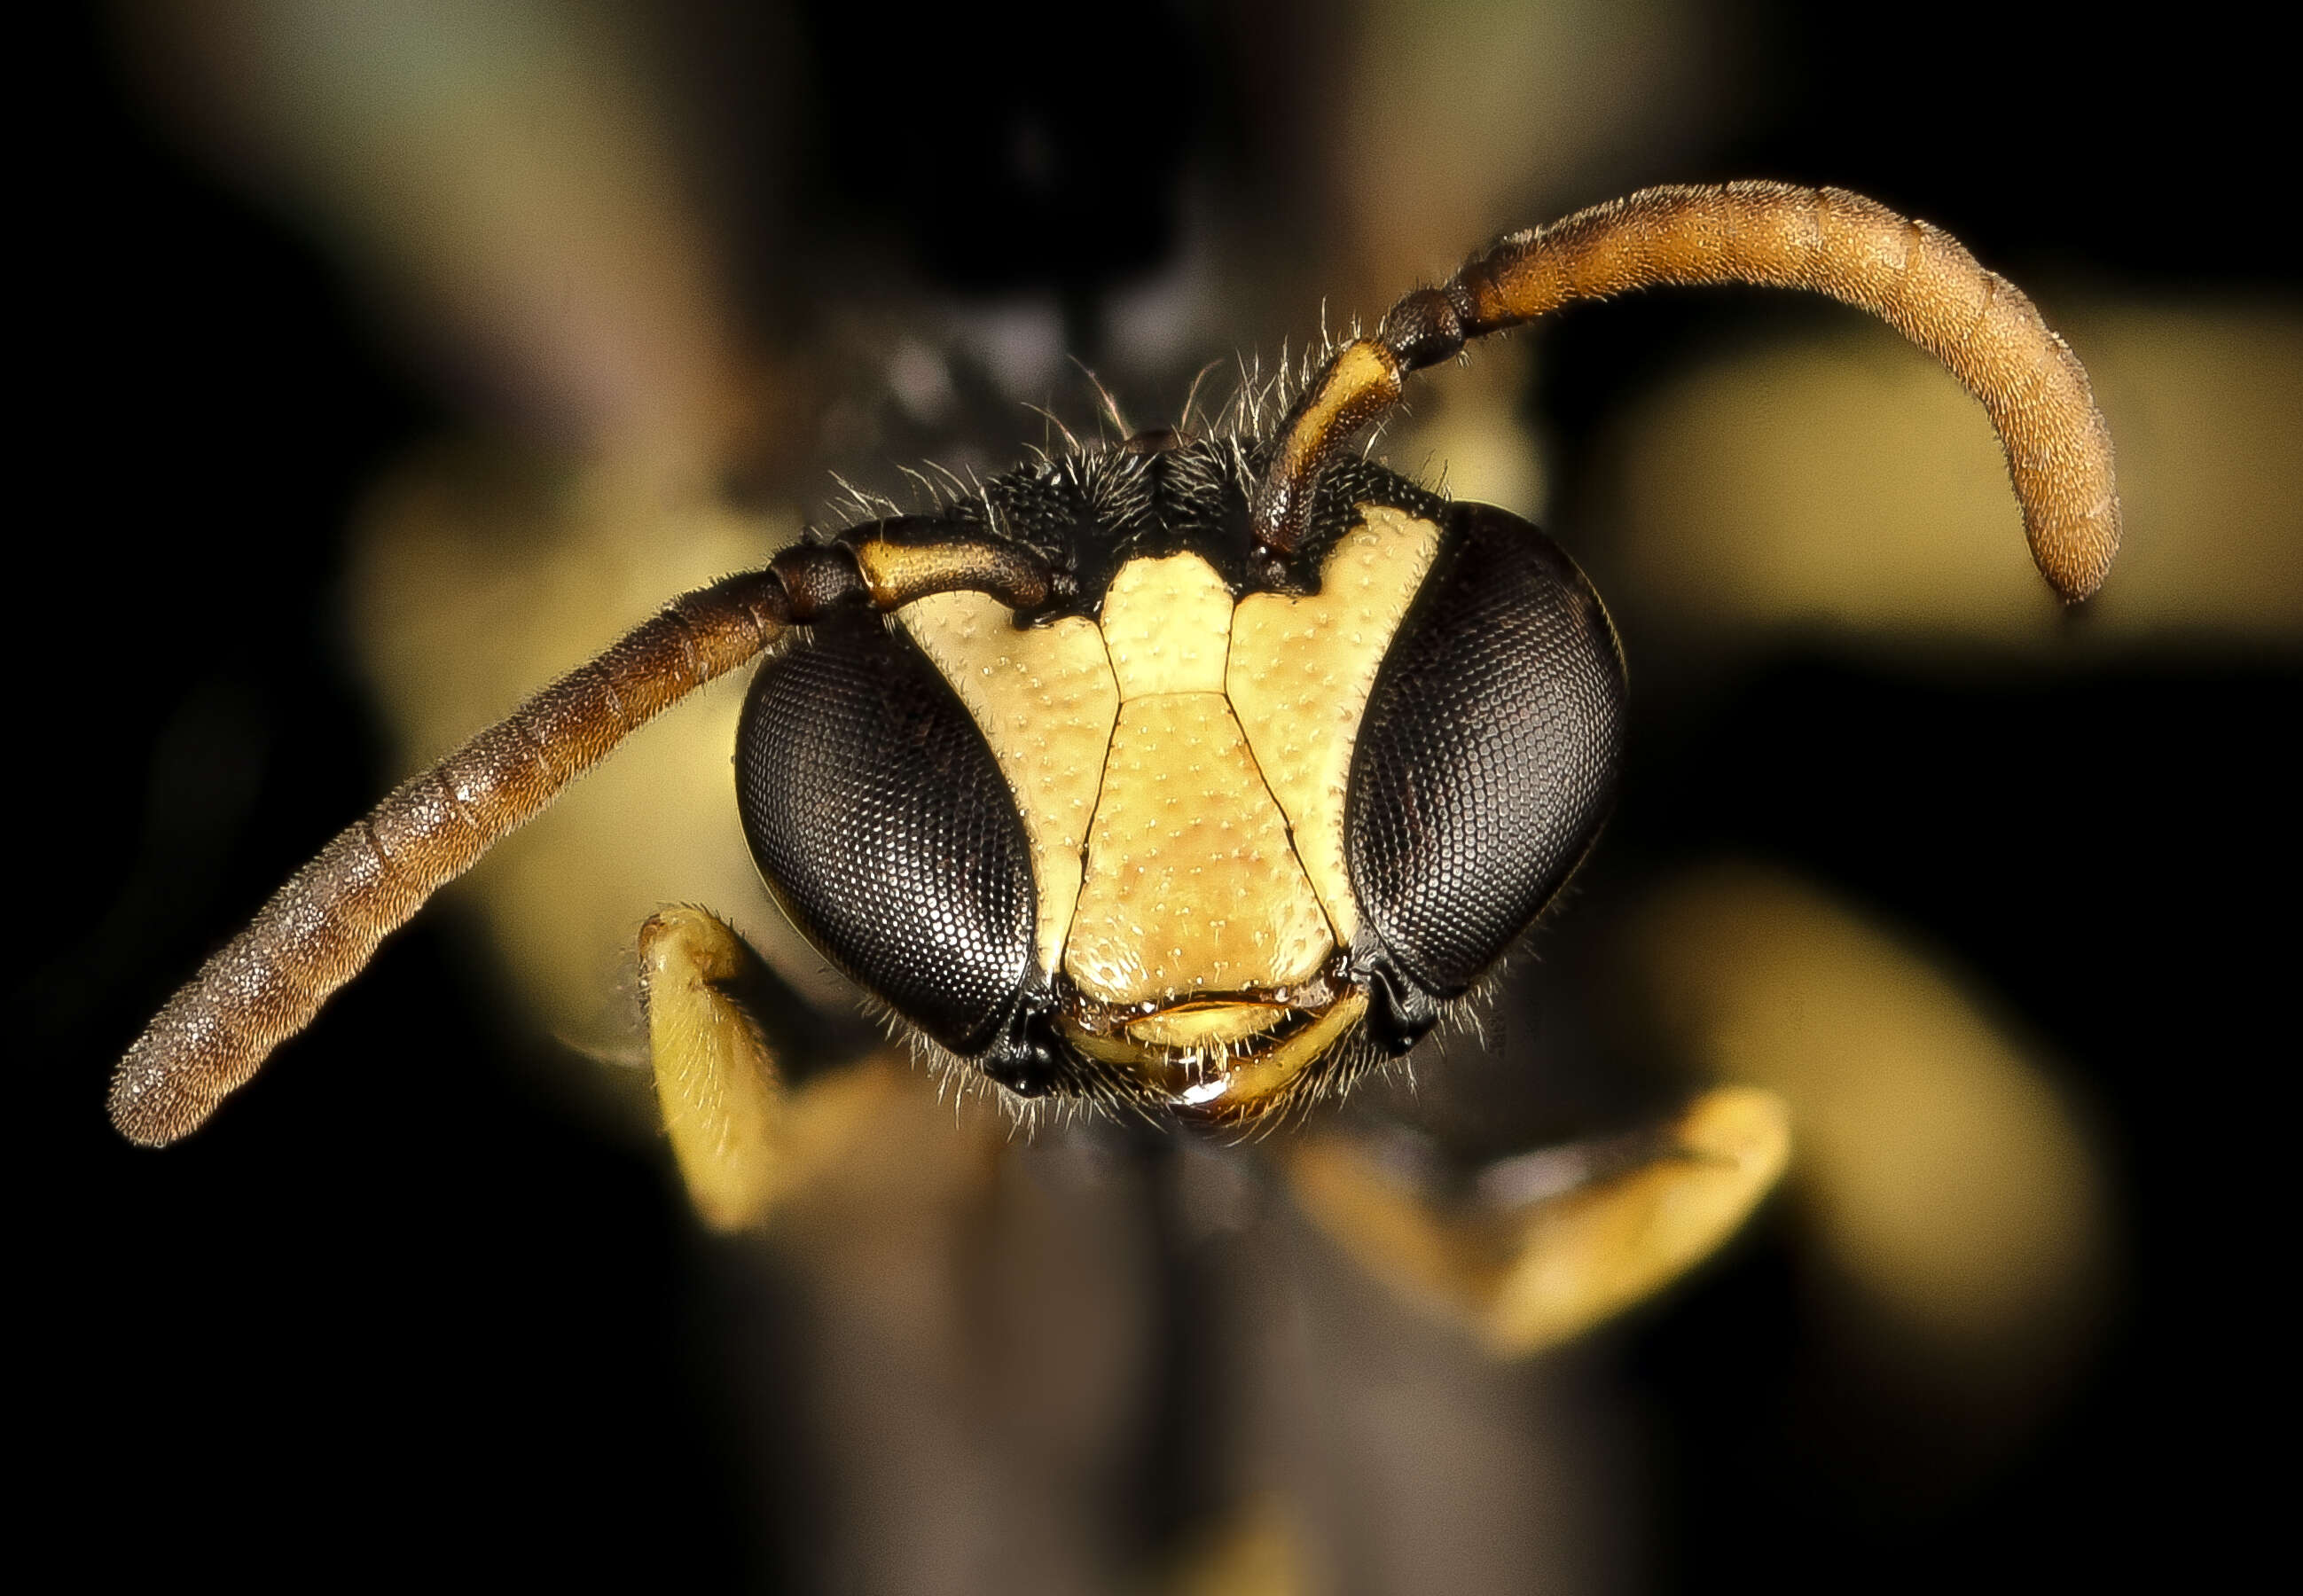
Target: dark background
<point x="478" y="1360"/>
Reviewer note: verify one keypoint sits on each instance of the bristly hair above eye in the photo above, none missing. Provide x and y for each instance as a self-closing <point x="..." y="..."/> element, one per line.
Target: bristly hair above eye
<point x="1086" y="510"/>
<point x="1095" y="477"/>
<point x="860" y="505"/>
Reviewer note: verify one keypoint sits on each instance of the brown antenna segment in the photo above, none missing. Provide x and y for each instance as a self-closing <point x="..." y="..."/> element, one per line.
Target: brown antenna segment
<point x="318" y="930"/>
<point x="1913" y="276"/>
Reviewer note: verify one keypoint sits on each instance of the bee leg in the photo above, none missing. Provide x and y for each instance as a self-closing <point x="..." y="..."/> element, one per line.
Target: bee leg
<point x="1255" y="1546"/>
<point x="1542" y="1247"/>
<point x="743" y="1138"/>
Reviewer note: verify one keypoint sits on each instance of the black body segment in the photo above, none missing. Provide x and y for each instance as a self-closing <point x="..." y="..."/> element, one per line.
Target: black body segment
<point x="876" y="812"/>
<point x="1488" y="754"/>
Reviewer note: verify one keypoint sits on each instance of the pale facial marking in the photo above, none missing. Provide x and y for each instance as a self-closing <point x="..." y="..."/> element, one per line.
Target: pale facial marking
<point x="1180" y="768"/>
<point x="1300" y="673"/>
<point x="1167" y="623"/>
<point x="1045" y="700"/>
<point x="1191" y="884"/>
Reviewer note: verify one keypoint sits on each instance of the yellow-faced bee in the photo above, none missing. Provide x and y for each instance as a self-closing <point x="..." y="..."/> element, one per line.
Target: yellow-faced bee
<point x="1193" y="776"/>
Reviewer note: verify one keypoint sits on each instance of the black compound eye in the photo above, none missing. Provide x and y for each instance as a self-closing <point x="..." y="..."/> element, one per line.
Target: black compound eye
<point x="1487" y="757"/>
<point x="880" y="819"/>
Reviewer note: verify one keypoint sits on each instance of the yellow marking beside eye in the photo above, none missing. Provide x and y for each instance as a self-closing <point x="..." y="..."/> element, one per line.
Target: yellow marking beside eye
<point x="1045" y="701"/>
<point x="1300" y="673"/>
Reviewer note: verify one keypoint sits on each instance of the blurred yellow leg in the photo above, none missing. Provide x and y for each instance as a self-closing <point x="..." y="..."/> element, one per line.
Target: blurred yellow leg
<point x="1554" y="1242"/>
<point x="1256" y="1551"/>
<point x="724" y="1104"/>
<point x="742" y="1139"/>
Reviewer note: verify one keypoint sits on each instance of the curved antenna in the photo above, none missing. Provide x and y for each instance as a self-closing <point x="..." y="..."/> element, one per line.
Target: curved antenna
<point x="320" y="930"/>
<point x="1913" y="276"/>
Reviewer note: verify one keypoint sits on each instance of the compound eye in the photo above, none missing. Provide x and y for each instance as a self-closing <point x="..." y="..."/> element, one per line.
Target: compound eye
<point x="880" y="819"/>
<point x="1488" y="754"/>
